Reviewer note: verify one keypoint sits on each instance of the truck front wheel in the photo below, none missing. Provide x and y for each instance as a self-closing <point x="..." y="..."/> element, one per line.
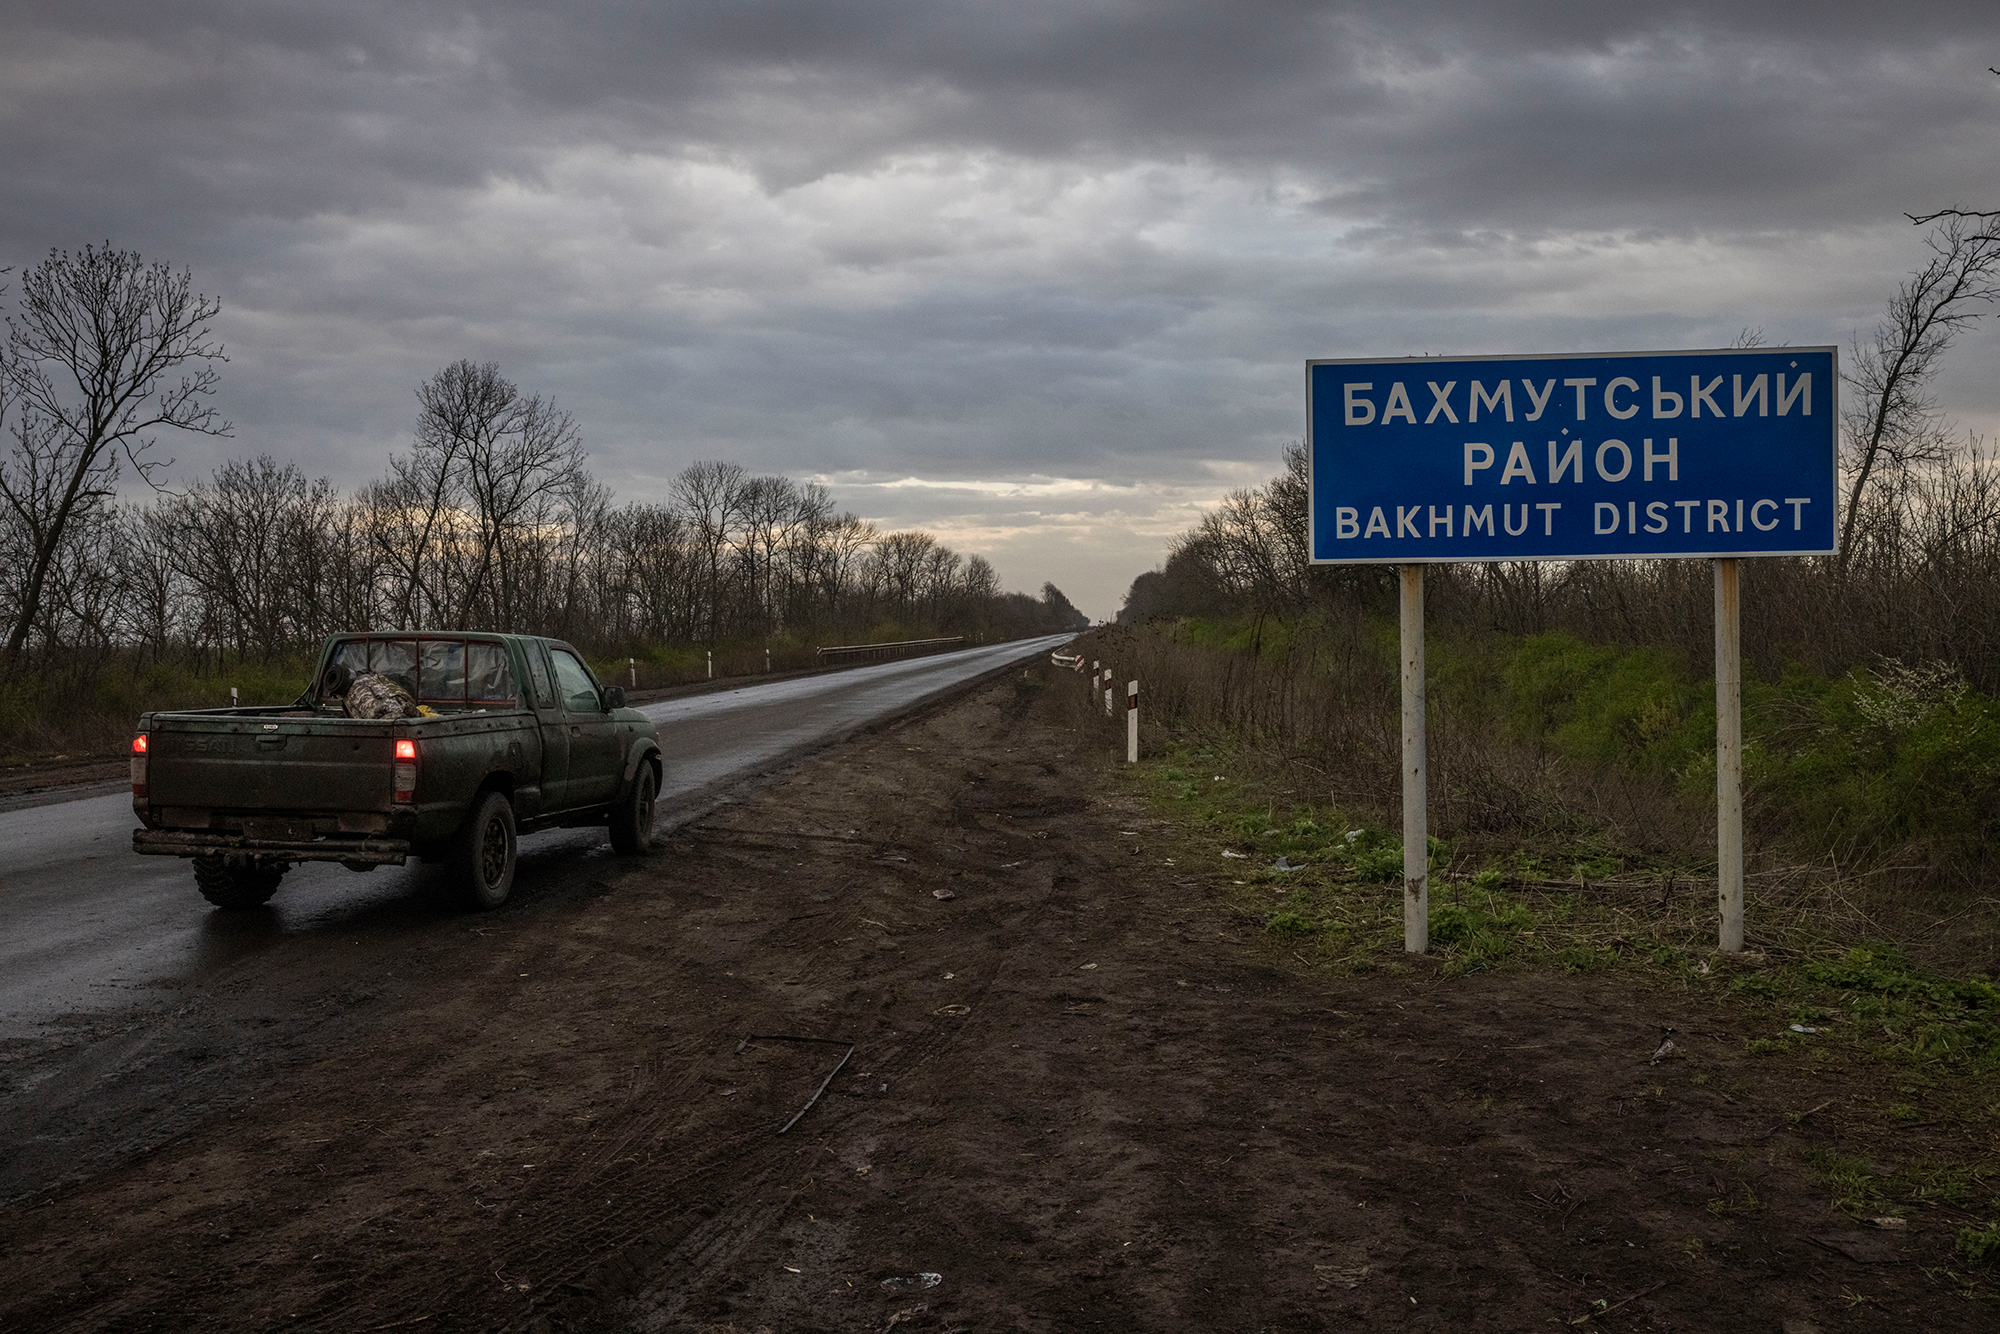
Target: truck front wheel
<point x="632" y="817"/>
<point x="483" y="860"/>
<point x="237" y="885"/>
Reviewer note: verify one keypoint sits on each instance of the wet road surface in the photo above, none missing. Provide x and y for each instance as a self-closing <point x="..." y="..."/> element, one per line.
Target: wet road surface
<point x="86" y="925"/>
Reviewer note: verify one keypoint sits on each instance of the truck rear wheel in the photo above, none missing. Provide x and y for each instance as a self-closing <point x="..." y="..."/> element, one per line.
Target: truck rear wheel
<point x="237" y="885"/>
<point x="632" y="818"/>
<point x="484" y="855"/>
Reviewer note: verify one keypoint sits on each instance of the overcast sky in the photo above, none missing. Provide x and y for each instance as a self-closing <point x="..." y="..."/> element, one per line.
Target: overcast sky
<point x="1039" y="277"/>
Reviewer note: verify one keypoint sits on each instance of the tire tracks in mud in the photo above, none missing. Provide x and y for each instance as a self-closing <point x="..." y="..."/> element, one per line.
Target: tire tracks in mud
<point x="766" y="1175"/>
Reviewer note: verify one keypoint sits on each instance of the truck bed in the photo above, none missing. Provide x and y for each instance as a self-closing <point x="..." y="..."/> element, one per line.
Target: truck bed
<point x="318" y="786"/>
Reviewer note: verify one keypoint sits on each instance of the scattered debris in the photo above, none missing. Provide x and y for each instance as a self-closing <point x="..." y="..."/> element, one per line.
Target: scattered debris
<point x="911" y="1282"/>
<point x="953" y="1009"/>
<point x="1861" y="1247"/>
<point x="1282" y="864"/>
<point x="943" y="894"/>
<point x="1662" y="1052"/>
<point x="1239" y="856"/>
<point x="1089" y="965"/>
<point x="1604" y="1307"/>
<point x="1890" y="1222"/>
<point x="1801" y="1028"/>
<point x="788" y="1037"/>
<point x="1353" y="834"/>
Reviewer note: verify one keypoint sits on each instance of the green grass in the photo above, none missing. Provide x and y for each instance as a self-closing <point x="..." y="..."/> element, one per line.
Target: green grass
<point x="42" y="717"/>
<point x="1513" y="908"/>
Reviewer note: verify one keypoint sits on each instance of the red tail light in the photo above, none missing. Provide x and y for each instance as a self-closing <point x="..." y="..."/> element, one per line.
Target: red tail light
<point x="139" y="765"/>
<point x="406" y="770"/>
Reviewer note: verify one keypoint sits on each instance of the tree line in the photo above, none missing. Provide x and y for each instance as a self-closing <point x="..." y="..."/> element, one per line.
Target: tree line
<point x="491" y="519"/>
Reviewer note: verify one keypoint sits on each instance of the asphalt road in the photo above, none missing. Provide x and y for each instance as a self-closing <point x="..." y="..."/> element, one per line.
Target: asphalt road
<point x="88" y="927"/>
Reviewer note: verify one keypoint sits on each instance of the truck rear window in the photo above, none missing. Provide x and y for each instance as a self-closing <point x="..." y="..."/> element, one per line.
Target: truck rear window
<point x="451" y="672"/>
<point x="488" y="677"/>
<point x="393" y="658"/>
<point x="441" y="671"/>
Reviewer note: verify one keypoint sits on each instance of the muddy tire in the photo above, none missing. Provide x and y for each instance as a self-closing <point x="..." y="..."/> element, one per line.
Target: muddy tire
<point x="238" y="886"/>
<point x="483" y="855"/>
<point x="632" y="817"/>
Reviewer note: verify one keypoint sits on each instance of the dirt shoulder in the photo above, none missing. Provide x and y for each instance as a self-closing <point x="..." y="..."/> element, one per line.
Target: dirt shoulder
<point x="23" y="782"/>
<point x="1080" y="1096"/>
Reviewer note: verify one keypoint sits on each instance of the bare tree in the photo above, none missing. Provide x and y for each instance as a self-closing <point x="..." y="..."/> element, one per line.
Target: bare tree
<point x="510" y="476"/>
<point x="104" y="351"/>
<point x="254" y="541"/>
<point x="710" y="496"/>
<point x="151" y="578"/>
<point x="462" y="410"/>
<point x="770" y="513"/>
<point x="902" y="559"/>
<point x="1893" y="422"/>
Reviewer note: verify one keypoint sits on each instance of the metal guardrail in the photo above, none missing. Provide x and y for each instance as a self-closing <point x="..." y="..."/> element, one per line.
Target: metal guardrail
<point x="901" y="649"/>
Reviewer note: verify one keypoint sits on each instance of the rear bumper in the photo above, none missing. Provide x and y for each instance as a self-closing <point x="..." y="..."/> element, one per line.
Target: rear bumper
<point x="369" y="849"/>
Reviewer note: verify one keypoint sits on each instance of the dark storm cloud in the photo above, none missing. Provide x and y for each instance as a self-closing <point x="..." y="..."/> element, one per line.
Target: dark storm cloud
<point x="1459" y="114"/>
<point x="1089" y="240"/>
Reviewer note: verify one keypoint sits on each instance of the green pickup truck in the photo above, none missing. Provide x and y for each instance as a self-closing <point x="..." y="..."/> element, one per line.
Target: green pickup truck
<point x="507" y="734"/>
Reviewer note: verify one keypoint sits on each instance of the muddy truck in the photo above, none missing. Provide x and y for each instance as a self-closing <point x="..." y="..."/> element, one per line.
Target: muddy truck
<point x="443" y="746"/>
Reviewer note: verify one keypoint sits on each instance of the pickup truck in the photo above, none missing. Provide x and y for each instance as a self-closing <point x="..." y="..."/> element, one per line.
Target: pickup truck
<point x="513" y="734"/>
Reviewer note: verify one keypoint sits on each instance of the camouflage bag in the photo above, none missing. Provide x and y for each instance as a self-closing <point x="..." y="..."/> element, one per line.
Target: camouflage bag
<point x="374" y="695"/>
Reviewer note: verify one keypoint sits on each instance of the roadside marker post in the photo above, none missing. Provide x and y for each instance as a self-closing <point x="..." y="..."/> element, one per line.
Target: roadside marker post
<point x="1702" y="454"/>
<point x="711" y="664"/>
<point x="1416" y="774"/>
<point x="633" y="665"/>
<point x="1132" y="722"/>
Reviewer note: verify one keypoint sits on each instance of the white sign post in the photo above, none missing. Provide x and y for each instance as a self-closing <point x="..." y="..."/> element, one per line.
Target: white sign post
<point x="1728" y="758"/>
<point x="1416" y="778"/>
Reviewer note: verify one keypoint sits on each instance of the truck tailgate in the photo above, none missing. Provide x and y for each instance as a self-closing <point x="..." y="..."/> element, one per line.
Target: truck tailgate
<point x="291" y="764"/>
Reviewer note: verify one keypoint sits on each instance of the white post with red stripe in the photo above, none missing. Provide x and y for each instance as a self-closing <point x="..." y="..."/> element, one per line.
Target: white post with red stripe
<point x="1132" y="722"/>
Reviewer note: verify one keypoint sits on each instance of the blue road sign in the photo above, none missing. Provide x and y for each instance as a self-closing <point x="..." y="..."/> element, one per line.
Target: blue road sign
<point x="1599" y="456"/>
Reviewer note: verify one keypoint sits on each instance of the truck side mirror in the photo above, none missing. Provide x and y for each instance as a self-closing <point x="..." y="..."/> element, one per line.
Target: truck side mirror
<point x="614" y="698"/>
